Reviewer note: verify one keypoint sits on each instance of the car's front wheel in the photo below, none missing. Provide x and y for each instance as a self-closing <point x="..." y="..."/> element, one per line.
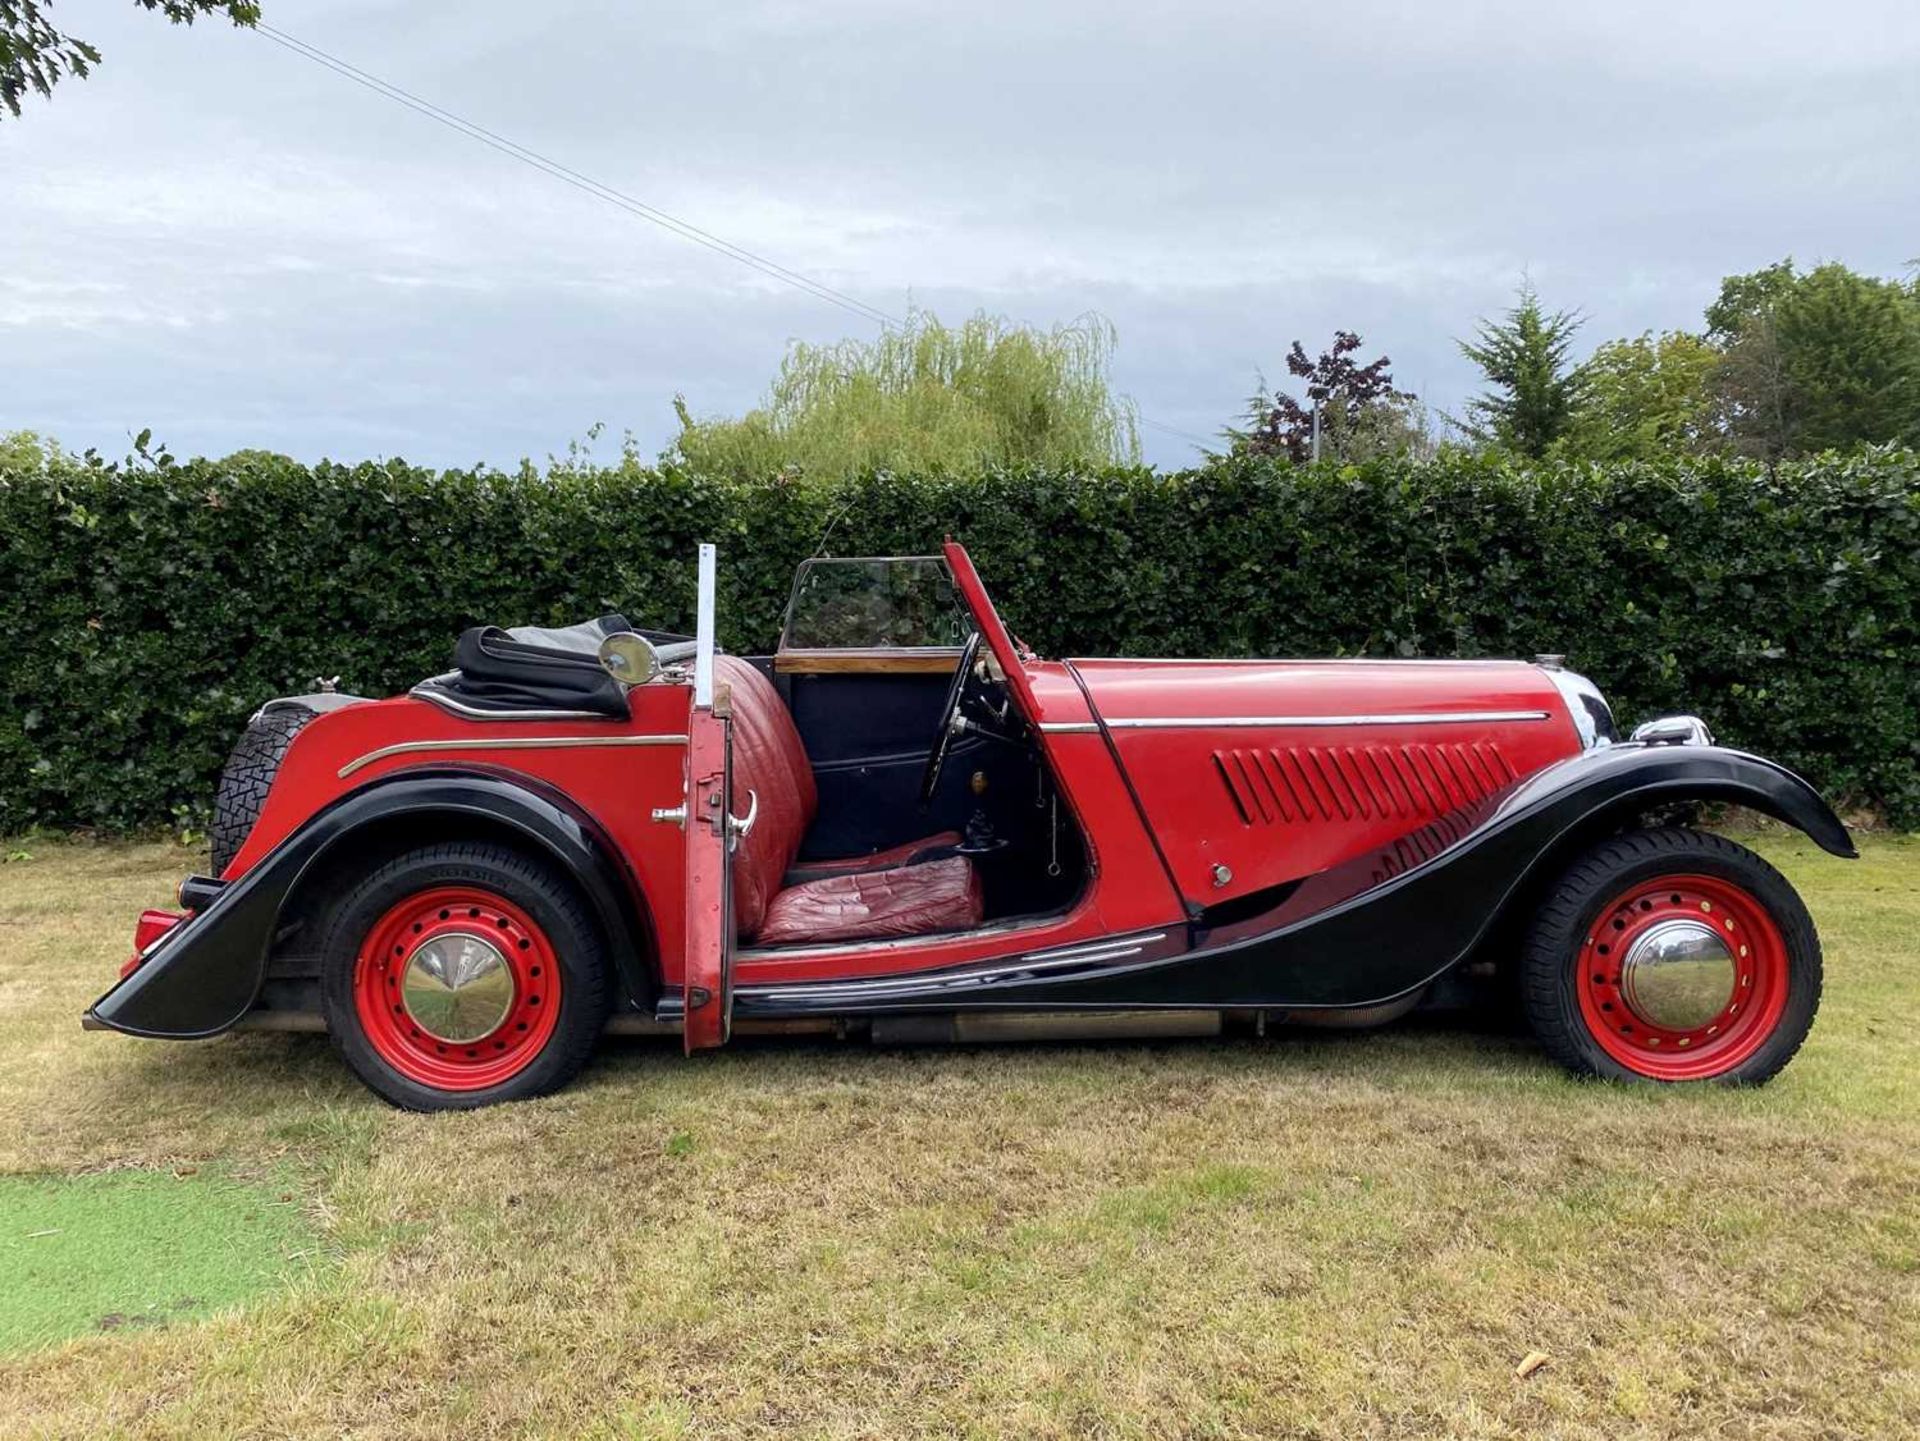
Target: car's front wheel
<point x="462" y="974"/>
<point x="1672" y="955"/>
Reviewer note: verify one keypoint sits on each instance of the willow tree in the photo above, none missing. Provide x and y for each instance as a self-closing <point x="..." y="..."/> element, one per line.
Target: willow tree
<point x="924" y="396"/>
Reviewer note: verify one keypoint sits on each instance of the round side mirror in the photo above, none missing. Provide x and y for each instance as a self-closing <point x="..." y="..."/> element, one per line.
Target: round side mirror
<point x="629" y="658"/>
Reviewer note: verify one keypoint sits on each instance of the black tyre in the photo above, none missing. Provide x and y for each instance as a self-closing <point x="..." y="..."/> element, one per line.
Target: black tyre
<point x="248" y="776"/>
<point x="461" y="974"/>
<point x="1671" y="955"/>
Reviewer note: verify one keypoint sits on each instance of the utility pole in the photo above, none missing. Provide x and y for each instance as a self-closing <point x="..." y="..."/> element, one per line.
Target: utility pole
<point x="1316" y="432"/>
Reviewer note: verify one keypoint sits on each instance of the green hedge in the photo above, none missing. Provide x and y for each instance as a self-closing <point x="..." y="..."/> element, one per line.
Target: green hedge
<point x="148" y="612"/>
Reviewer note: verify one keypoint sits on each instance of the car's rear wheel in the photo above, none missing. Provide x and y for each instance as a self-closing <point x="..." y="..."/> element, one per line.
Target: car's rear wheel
<point x="462" y="974"/>
<point x="1672" y="955"/>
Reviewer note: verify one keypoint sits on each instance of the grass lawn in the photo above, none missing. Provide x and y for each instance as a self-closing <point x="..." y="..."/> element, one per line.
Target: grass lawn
<point x="1338" y="1236"/>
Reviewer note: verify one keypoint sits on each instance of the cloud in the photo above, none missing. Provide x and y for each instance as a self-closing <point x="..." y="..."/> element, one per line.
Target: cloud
<point x="228" y="243"/>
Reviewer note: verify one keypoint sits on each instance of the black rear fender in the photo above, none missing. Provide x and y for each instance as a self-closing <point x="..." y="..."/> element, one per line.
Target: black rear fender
<point x="207" y="973"/>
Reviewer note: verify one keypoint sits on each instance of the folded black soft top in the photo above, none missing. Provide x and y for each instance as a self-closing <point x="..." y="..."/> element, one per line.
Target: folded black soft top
<point x="534" y="672"/>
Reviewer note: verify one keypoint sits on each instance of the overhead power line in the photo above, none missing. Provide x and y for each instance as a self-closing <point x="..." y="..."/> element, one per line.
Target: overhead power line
<point x="1186" y="435"/>
<point x="632" y="205"/>
<point x="558" y="171"/>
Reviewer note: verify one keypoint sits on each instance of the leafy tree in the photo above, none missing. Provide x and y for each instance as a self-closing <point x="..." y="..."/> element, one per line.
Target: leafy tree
<point x="1850" y="347"/>
<point x="926" y="397"/>
<point x="1645" y="398"/>
<point x="34" y="54"/>
<point x="1825" y="359"/>
<point x="1536" y="392"/>
<point x="1743" y="298"/>
<point x="1362" y="415"/>
<point x="1754" y="404"/>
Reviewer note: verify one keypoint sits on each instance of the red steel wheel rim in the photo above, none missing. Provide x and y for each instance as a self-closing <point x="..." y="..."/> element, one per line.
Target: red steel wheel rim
<point x="1630" y="924"/>
<point x="515" y="969"/>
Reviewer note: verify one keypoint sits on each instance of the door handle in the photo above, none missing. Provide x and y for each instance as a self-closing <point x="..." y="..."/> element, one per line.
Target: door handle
<point x="738" y="829"/>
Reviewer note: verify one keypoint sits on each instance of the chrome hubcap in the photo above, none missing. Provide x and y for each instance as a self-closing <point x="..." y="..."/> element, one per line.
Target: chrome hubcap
<point x="458" y="987"/>
<point x="1678" y="976"/>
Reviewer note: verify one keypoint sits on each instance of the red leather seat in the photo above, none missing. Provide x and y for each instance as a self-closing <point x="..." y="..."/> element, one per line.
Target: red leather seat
<point x="906" y="901"/>
<point x="849" y="899"/>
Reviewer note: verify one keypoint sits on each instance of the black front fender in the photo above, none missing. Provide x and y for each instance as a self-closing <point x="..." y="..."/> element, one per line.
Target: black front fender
<point x="1635" y="778"/>
<point x="207" y="972"/>
<point x="1384" y="925"/>
<point x="1640" y="777"/>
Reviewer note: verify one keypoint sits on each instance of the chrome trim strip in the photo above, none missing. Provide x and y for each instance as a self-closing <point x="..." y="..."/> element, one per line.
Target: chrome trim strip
<point x="923" y="983"/>
<point x="1069" y="728"/>
<point x="506" y="743"/>
<point x="1461" y="717"/>
<point x="1090" y="947"/>
<point x="460" y="708"/>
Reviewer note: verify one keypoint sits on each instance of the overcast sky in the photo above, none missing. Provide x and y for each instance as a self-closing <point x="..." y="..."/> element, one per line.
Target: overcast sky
<point x="227" y="243"/>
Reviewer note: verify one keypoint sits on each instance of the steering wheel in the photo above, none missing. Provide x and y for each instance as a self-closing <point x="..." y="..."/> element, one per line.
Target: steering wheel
<point x="950" y="721"/>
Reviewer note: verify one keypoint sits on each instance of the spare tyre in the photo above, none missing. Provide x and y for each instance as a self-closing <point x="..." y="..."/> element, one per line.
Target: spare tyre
<point x="248" y="776"/>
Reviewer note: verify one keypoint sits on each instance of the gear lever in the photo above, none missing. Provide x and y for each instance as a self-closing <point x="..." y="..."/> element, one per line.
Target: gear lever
<point x="978" y="838"/>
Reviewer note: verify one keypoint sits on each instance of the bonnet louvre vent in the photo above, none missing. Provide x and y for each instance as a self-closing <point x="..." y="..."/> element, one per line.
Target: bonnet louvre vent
<point x="1304" y="785"/>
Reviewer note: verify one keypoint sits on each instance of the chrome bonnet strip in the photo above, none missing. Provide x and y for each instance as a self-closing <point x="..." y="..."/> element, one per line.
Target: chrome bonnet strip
<point x="506" y="743"/>
<point x="1069" y="728"/>
<point x="1243" y="722"/>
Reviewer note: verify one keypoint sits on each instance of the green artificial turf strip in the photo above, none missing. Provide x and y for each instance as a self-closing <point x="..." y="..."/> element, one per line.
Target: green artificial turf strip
<point x="136" y="1248"/>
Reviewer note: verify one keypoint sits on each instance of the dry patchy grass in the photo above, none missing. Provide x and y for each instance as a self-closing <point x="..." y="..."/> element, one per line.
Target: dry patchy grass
<point x="1341" y="1237"/>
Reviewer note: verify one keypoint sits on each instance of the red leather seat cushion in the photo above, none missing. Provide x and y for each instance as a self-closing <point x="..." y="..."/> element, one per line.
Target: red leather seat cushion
<point x="902" y="855"/>
<point x="907" y="901"/>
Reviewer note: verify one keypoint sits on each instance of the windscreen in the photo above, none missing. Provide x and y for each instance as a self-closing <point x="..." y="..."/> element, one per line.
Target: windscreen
<point x="885" y="603"/>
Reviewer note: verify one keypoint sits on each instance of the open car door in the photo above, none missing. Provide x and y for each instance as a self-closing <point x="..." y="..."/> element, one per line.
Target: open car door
<point x="710" y="830"/>
<point x="987" y="620"/>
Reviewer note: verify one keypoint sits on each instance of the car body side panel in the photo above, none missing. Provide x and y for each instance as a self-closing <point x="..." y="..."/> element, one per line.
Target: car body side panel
<point x="1257" y="773"/>
<point x="1380" y="926"/>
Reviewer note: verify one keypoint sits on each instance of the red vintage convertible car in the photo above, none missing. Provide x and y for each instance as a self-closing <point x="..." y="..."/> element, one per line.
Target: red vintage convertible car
<point x="903" y="823"/>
